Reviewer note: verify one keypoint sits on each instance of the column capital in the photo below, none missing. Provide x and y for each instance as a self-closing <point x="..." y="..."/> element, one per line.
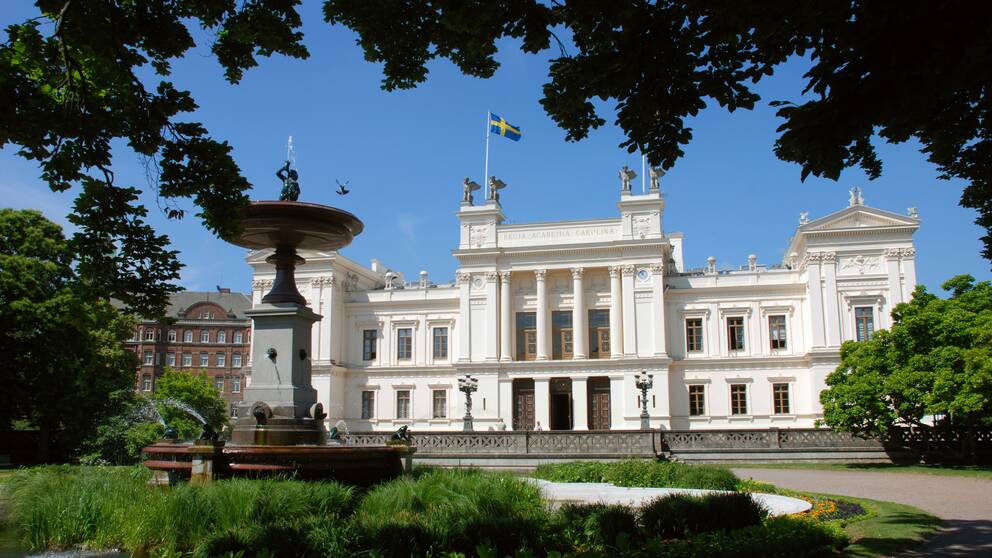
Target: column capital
<point x="540" y="273"/>
<point x="614" y="270"/>
<point x="504" y="276"/>
<point x="628" y="270"/>
<point x="321" y="281"/>
<point x="463" y="278"/>
<point x="577" y="272"/>
<point x="657" y="268"/>
<point x="492" y="276"/>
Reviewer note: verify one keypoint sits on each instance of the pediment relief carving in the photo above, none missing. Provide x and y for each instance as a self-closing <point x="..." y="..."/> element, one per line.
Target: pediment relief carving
<point x="860" y="217"/>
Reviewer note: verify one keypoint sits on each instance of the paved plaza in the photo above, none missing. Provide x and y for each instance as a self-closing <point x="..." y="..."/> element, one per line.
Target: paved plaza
<point x="965" y="504"/>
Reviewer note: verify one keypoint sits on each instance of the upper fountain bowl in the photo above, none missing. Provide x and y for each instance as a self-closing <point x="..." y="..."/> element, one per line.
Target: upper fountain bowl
<point x="296" y="225"/>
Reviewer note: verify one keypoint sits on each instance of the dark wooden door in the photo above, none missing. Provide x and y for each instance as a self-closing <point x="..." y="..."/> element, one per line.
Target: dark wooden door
<point x="600" y="411"/>
<point x="523" y="405"/>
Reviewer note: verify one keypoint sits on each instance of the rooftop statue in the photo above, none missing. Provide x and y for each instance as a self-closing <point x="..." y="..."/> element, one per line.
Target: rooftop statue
<point x="495" y="185"/>
<point x="856" y="198"/>
<point x="468" y="187"/>
<point x="656" y="174"/>
<point x="626" y="175"/>
<point x="290" y="183"/>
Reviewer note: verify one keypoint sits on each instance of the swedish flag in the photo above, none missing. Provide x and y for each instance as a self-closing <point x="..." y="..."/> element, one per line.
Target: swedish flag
<point x="499" y="126"/>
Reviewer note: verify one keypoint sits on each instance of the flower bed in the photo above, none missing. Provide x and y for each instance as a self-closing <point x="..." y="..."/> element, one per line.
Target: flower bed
<point x="828" y="509"/>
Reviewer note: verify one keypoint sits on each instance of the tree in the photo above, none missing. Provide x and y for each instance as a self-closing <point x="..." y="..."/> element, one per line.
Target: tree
<point x="63" y="349"/>
<point x="119" y="439"/>
<point x="84" y="75"/>
<point x="931" y="371"/>
<point x="195" y="391"/>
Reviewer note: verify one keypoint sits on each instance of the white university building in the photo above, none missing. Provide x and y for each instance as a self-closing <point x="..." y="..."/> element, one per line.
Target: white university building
<point x="555" y="319"/>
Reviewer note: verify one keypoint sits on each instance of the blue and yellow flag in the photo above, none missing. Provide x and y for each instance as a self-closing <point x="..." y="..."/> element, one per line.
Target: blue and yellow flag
<point x="499" y="126"/>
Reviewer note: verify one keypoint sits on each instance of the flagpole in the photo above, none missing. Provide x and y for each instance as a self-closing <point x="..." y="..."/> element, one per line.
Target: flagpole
<point x="485" y="179"/>
<point x="642" y="173"/>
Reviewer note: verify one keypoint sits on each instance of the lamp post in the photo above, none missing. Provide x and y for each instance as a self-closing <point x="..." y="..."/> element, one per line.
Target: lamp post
<point x="468" y="385"/>
<point x="644" y="382"/>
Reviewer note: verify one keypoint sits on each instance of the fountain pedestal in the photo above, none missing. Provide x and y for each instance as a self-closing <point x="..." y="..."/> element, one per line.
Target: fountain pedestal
<point x="280" y="406"/>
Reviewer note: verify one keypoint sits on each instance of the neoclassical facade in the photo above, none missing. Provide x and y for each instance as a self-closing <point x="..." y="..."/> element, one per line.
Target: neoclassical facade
<point x="555" y="319"/>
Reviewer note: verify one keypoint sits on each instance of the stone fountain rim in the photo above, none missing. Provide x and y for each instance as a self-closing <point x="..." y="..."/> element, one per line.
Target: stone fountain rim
<point x="283" y="214"/>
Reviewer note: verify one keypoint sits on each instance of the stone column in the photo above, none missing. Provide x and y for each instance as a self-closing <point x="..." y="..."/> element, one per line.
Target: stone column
<point x="629" y="315"/>
<point x="658" y="302"/>
<point x="464" y="317"/>
<point x="832" y="305"/>
<point x="908" y="273"/>
<point x="616" y="332"/>
<point x="543" y="319"/>
<point x="895" y="284"/>
<point x="542" y="403"/>
<point x="505" y="319"/>
<point x="580" y="401"/>
<point x="580" y="331"/>
<point x="815" y="292"/>
<point x="492" y="316"/>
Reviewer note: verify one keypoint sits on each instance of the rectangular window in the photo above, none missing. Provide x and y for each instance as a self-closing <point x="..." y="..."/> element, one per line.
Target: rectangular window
<point x="188" y="336"/>
<point x="204" y="359"/>
<point x="170" y="359"/>
<point x="222" y="336"/>
<point x="738" y="399"/>
<point x="236" y="384"/>
<point x="697" y="400"/>
<point x="440" y="398"/>
<point x="776" y="331"/>
<point x="187" y="359"/>
<point x="526" y="335"/>
<point x="149" y="335"/>
<point x="440" y="342"/>
<point x="204" y="336"/>
<point x="368" y="404"/>
<point x="599" y="333"/>
<point x="735" y="333"/>
<point x="172" y="336"/>
<point x="236" y="360"/>
<point x="238" y="337"/>
<point x="221" y="359"/>
<point x="694" y="335"/>
<point x="562" y="346"/>
<point x="780" y="396"/>
<point x="148" y="358"/>
<point x="146" y="383"/>
<point x="403" y="404"/>
<point x="219" y="383"/>
<point x="234" y="410"/>
<point x="404" y="343"/>
<point x="864" y="320"/>
<point x="368" y="344"/>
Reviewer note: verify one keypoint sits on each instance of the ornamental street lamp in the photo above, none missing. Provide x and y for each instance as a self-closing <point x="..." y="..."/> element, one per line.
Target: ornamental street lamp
<point x="468" y="385"/>
<point x="644" y="382"/>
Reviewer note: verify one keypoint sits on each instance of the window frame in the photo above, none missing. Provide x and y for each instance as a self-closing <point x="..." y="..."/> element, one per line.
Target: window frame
<point x="367" y="412"/>
<point x="170" y="359"/>
<point x="434" y="403"/>
<point x="776" y="410"/>
<point x="219" y="383"/>
<point x="188" y="336"/>
<point x="220" y="360"/>
<point x="146" y="383"/>
<point x="408" y="399"/>
<point x="444" y="340"/>
<point x="187" y="362"/>
<point x="783" y="328"/>
<point x="744" y="399"/>
<point x="149" y="334"/>
<point x="236" y="360"/>
<point x="239" y="337"/>
<point x="404" y="344"/>
<point x="701" y="412"/>
<point x="730" y="333"/>
<point x="172" y="336"/>
<point x="204" y="359"/>
<point x="204" y="336"/>
<point x="370" y="344"/>
<point x="222" y="336"/>
<point x="869" y="322"/>
<point x="235" y="384"/>
<point x="147" y="358"/>
<point x="698" y="336"/>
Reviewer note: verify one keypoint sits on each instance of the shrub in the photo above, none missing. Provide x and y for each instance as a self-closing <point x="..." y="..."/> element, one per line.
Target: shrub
<point x="595" y="525"/>
<point x="452" y="510"/>
<point x="778" y="537"/>
<point x="641" y="472"/>
<point x="679" y="515"/>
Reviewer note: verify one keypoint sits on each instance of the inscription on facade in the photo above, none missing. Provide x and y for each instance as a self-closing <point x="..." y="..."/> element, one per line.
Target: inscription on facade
<point x="543" y="236"/>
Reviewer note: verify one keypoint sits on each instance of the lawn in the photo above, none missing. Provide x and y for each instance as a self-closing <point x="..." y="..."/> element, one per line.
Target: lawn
<point x="975" y="471"/>
<point x="892" y="529"/>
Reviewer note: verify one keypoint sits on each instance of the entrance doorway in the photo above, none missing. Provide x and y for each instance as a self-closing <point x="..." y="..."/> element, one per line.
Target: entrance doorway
<point x="599" y="403"/>
<point x="523" y="404"/>
<point x="561" y="404"/>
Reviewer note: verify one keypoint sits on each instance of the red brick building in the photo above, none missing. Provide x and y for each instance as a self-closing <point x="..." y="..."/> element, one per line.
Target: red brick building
<point x="211" y="333"/>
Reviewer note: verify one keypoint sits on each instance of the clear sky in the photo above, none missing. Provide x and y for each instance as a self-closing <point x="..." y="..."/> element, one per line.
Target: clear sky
<point x="405" y="153"/>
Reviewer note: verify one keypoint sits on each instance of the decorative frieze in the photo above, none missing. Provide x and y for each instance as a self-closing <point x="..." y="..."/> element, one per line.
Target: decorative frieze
<point x="323" y="281"/>
<point x="861" y="264"/>
<point x="261" y="284"/>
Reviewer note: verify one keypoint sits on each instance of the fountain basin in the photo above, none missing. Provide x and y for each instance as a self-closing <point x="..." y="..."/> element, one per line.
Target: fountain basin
<point x="296" y="225"/>
<point x="358" y="465"/>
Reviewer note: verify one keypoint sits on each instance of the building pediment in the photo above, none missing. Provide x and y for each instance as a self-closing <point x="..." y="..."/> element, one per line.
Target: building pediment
<point x="858" y="217"/>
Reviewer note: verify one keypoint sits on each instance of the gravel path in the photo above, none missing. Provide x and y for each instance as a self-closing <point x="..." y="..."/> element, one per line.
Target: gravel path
<point x="964" y="503"/>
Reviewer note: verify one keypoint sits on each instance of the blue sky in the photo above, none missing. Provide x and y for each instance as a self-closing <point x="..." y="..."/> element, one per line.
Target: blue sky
<point x="406" y="152"/>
